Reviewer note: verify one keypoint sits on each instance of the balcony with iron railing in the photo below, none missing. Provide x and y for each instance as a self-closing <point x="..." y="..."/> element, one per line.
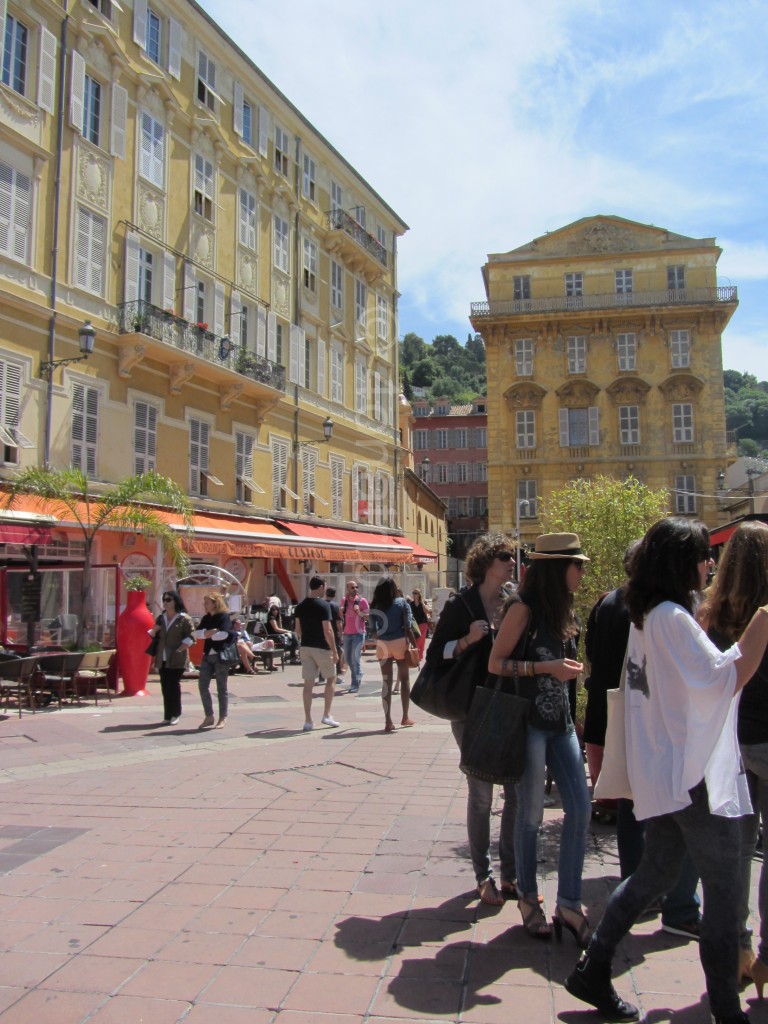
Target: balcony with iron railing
<point x="344" y="223"/>
<point x="163" y="326"/>
<point x="565" y="304"/>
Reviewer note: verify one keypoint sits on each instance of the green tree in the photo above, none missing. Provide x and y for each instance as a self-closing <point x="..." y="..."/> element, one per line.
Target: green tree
<point x="607" y="514"/>
<point x="67" y="494"/>
<point x="412" y="349"/>
<point x="423" y="373"/>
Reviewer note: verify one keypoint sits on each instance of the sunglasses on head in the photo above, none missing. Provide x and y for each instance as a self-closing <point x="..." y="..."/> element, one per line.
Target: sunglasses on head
<point x="504" y="556"/>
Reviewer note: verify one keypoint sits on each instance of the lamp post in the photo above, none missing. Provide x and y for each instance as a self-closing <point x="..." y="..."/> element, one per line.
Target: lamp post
<point x="86" y="337"/>
<point x="520" y="503"/>
<point x="328" y="426"/>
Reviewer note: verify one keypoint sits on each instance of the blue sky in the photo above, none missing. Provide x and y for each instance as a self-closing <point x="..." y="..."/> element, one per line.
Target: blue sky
<point x="485" y="125"/>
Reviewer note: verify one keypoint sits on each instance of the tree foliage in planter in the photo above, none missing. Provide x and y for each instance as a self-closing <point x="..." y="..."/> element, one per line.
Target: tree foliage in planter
<point x="607" y="514"/>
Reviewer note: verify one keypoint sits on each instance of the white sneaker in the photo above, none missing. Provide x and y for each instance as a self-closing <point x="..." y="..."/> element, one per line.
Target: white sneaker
<point x="327" y="720"/>
<point x="174" y="721"/>
<point x="308" y="726"/>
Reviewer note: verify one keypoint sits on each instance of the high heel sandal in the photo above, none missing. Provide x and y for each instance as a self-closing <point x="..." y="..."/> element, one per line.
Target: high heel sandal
<point x="489" y="894"/>
<point x="581" y="932"/>
<point x="746" y="963"/>
<point x="759" y="976"/>
<point x="534" y="921"/>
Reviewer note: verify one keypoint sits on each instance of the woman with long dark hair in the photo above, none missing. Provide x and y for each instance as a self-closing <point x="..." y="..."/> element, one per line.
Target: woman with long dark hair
<point x="682" y="762"/>
<point x="174" y="629"/>
<point x="739" y="589"/>
<point x="391" y="618"/>
<point x="215" y="628"/>
<point x="543" y="672"/>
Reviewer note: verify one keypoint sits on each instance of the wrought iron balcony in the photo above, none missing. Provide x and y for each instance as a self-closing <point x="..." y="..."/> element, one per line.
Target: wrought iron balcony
<point x="339" y="220"/>
<point x="139" y="317"/>
<point x="563" y="303"/>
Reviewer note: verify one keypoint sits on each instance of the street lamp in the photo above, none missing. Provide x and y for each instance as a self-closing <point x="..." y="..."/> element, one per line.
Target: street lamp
<point x="425" y="469"/>
<point x="520" y="503"/>
<point x="328" y="426"/>
<point x="86" y="336"/>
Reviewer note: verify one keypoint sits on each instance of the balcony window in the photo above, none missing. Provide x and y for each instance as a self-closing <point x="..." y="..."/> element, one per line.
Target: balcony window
<point x="626" y="350"/>
<point x="675" y="279"/>
<point x="14" y="70"/>
<point x="629" y="424"/>
<point x="685" y="494"/>
<point x="525" y="428"/>
<point x="577" y="354"/>
<point x="524" y="357"/>
<point x="682" y="423"/>
<point x="680" y="349"/>
<point x="521" y="287"/>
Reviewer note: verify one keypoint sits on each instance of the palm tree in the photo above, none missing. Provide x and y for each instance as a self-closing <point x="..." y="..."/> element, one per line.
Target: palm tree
<point x="67" y="494"/>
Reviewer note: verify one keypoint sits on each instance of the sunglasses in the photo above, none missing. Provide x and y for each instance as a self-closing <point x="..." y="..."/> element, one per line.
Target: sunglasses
<point x="168" y="600"/>
<point x="504" y="556"/>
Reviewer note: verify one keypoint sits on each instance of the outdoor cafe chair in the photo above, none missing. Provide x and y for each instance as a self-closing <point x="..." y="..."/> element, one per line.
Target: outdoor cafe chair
<point x="92" y="674"/>
<point x="56" y="674"/>
<point x="16" y="676"/>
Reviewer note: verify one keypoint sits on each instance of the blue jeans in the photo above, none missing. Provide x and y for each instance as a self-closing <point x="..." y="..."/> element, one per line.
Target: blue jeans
<point x="353" y="648"/>
<point x="479" y="807"/>
<point x="714" y="845"/>
<point x="681" y="904"/>
<point x="560" y="752"/>
<point x="212" y="666"/>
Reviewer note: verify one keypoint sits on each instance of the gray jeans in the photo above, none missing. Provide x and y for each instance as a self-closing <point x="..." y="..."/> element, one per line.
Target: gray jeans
<point x="714" y="845"/>
<point x="212" y="666"/>
<point x="755" y="758"/>
<point x="479" y="806"/>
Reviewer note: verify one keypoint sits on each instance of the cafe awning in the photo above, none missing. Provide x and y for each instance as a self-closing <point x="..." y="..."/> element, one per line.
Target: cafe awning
<point x="421" y="554"/>
<point x="336" y="544"/>
<point x="24" y="533"/>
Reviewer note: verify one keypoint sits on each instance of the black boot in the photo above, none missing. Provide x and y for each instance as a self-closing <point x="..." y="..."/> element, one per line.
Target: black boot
<point x="590" y="981"/>
<point x="739" y="1018"/>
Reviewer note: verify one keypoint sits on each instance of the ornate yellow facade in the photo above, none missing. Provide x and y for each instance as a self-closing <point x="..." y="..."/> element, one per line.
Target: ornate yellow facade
<point x="240" y="274"/>
<point x="603" y="343"/>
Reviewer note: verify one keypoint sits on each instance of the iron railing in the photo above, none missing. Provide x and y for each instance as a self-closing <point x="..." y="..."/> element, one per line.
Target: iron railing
<point x="339" y="220"/>
<point x="563" y="303"/>
<point x="139" y="317"/>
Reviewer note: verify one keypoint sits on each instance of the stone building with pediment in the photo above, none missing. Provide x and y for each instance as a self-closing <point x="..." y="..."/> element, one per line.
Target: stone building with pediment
<point x="603" y="344"/>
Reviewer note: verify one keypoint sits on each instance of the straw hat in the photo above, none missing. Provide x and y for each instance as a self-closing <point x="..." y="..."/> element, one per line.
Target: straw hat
<point x="558" y="545"/>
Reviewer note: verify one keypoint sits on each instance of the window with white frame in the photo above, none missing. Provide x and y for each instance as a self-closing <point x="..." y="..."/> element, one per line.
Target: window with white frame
<point x="685" y="494"/>
<point x="441" y="473"/>
<point x="309" y="265"/>
<point x="359" y="214"/>
<point x="245" y="485"/>
<point x="203" y="193"/>
<point x="309" y="178"/>
<point x="91" y="251"/>
<point x="144" y="438"/>
<point x="577" y="354"/>
<point x="420" y="440"/>
<point x="443" y="409"/>
<point x="527" y="499"/>
<point x="463" y="508"/>
<point x="206" y="81"/>
<point x="337" y="373"/>
<point x="481" y="506"/>
<point x="675" y="279"/>
<point x="92" y="110"/>
<point x="626" y="350"/>
<point x="246" y="121"/>
<point x="680" y="349"/>
<point x="361" y="303"/>
<point x="337" y="285"/>
<point x="682" y="422"/>
<point x="281" y="257"/>
<point x="200" y="476"/>
<point x="305" y="369"/>
<point x="453" y="507"/>
<point x="623" y="282"/>
<point x="201" y="303"/>
<point x="441" y="439"/>
<point x="11" y="438"/>
<point x="146" y="275"/>
<point x="525" y="428"/>
<point x="481" y="472"/>
<point x="246" y="339"/>
<point x="461" y="437"/>
<point x="524" y="357"/>
<point x="154" y="37"/>
<point x="420" y="411"/>
<point x="15" y="54"/>
<point x="104" y="7"/>
<point x="629" y="424"/>
<point x="337" y="487"/>
<point x="381" y="235"/>
<point x="15" y="212"/>
<point x="160" y="38"/>
<point x="382" y="317"/>
<point x="85" y="428"/>
<point x="152" y="150"/>
<point x="579" y="427"/>
<point x="480" y="439"/>
<point x="247" y="219"/>
<point x="521" y="287"/>
<point x="282" y="155"/>
<point x="574" y="285"/>
<point x="360" y="481"/>
<point x="361" y="386"/>
<point x="461" y="473"/>
<point x="337" y="197"/>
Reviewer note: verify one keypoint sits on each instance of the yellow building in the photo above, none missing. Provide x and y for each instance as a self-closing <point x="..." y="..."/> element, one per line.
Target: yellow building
<point x="240" y="275"/>
<point x="603" y="342"/>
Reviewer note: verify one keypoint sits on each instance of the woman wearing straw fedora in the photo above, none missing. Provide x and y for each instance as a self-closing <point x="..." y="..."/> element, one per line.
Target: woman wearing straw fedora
<point x="545" y="615"/>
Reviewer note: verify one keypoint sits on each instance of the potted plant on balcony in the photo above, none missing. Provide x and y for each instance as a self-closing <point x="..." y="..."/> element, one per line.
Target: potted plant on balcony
<point x="133" y="625"/>
<point x="168" y="315"/>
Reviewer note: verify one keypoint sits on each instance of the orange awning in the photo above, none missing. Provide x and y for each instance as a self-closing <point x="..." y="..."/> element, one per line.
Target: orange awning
<point x="340" y="545"/>
<point x="421" y="554"/>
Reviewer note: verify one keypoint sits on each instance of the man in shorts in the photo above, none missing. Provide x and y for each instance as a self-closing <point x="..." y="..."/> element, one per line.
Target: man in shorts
<point x="318" y="649"/>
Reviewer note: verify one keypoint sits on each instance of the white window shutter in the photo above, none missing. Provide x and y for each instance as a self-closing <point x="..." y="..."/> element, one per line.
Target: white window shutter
<point x="131" y="266"/>
<point x="3" y="11"/>
<point x="189" y="292"/>
<point x="140" y="23"/>
<point x="376" y="395"/>
<point x="295" y="354"/>
<point x="563" y="419"/>
<point x="261" y="331"/>
<point x="169" y="281"/>
<point x="218" y="309"/>
<point x="321" y="367"/>
<point x="235" y="309"/>
<point x="119" y="121"/>
<point x="174" y="48"/>
<point x="237" y="109"/>
<point x="46" y="72"/>
<point x="594" y="425"/>
<point x="77" y="91"/>
<point x="263" y="130"/>
<point x="272" y="337"/>
<point x="355" y="493"/>
<point x="19" y="225"/>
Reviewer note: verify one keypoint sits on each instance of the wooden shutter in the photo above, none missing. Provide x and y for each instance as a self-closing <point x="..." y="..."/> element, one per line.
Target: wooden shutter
<point x="46" y="72"/>
<point x="3" y="12"/>
<point x="376" y="395"/>
<point x="218" y="309"/>
<point x="140" y="23"/>
<point x="85" y="427"/>
<point x="261" y="331"/>
<point x="296" y="350"/>
<point x="131" y="266"/>
<point x="594" y="425"/>
<point x="272" y="337"/>
<point x="169" y="281"/>
<point x="119" y="121"/>
<point x="237" y="109"/>
<point x="321" y="361"/>
<point x="174" y="48"/>
<point x="263" y="130"/>
<point x="77" y="91"/>
<point x="563" y="420"/>
<point x="190" y="292"/>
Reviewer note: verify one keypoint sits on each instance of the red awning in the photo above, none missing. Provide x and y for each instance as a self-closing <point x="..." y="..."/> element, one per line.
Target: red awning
<point x="421" y="554"/>
<point x="24" y="533"/>
<point x="336" y="544"/>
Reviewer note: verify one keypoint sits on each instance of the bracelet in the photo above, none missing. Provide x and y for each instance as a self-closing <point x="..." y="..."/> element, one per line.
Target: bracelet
<point x="504" y="665"/>
<point x="531" y="668"/>
<point x="514" y="671"/>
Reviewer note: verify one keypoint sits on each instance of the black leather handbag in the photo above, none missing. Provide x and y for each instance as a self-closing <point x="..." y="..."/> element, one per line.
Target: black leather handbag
<point x="494" y="743"/>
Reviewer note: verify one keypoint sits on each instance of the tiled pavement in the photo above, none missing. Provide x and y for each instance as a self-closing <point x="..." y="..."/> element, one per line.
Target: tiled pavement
<point x="261" y="875"/>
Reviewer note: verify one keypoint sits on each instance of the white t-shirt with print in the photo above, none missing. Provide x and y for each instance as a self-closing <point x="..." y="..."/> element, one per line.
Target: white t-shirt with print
<point x="680" y="717"/>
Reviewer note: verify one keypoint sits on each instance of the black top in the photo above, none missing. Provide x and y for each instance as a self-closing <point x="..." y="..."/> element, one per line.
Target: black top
<point x="219" y="621"/>
<point x="606" y="639"/>
<point x="335" y="616"/>
<point x="419" y="613"/>
<point x="753" y="704"/>
<point x="312" y="612"/>
<point x="457" y="616"/>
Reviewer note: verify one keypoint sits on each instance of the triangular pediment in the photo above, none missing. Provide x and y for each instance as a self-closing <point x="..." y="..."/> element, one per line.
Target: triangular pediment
<point x="603" y="234"/>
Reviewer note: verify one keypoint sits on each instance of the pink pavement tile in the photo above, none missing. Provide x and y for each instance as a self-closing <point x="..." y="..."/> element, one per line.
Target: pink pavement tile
<point x="229" y="920"/>
<point x="130" y="942"/>
<point x="162" y="916"/>
<point x="409" y="997"/>
<point x="373" y="904"/>
<point x="330" y="993"/>
<point x="399" y="886"/>
<point x="207" y="1013"/>
<point x="295" y="925"/>
<point x="72" y="888"/>
<point x="332" y="881"/>
<point x="249" y="986"/>
<point x="15" y="933"/>
<point x="250" y="897"/>
<point x="364" y="958"/>
<point x="314" y="1017"/>
<point x="197" y="894"/>
<point x="168" y="980"/>
<point x="345" y="845"/>
<point x="201" y="947"/>
<point x="430" y="964"/>
<point x="502" y="1003"/>
<point x="96" y="912"/>
<point x="285" y="954"/>
<point x="29" y="969"/>
<point x="312" y="900"/>
<point x="46" y="1007"/>
<point x="62" y="939"/>
<point x="276" y="878"/>
<point x="86" y="973"/>
<point x="128" y="1009"/>
<point x="228" y="855"/>
<point x="9" y="996"/>
<point x="219" y="874"/>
